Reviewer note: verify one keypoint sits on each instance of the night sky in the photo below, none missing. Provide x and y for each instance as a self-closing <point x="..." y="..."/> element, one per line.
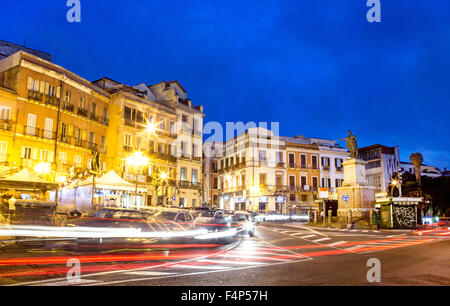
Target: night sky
<point x="317" y="67"/>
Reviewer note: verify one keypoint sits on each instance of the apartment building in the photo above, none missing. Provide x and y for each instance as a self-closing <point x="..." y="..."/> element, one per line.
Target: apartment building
<point x="425" y="170"/>
<point x="187" y="147"/>
<point x="252" y="172"/>
<point x="382" y="161"/>
<point x="50" y="116"/>
<point x="212" y="151"/>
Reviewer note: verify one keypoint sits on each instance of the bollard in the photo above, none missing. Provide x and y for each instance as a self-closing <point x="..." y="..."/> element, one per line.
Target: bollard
<point x="315" y="217"/>
<point x="309" y="216"/>
<point x="329" y="216"/>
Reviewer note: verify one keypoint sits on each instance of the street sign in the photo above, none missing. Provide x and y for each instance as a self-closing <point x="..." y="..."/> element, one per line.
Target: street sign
<point x="323" y="193"/>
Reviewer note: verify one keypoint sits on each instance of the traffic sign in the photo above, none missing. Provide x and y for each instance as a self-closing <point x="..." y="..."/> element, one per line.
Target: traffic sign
<point x="345" y="198"/>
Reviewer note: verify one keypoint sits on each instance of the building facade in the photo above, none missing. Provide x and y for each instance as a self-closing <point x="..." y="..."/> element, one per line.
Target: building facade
<point x="383" y="162"/>
<point x="52" y="121"/>
<point x="211" y="153"/>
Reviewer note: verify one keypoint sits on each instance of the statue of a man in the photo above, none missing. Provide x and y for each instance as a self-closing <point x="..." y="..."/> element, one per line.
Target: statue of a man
<point x="352" y="145"/>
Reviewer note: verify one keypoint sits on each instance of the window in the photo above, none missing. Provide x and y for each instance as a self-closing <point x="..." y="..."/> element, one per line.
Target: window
<point x="31" y="124"/>
<point x="291" y="160"/>
<point x="151" y="146"/>
<point x="128" y="140"/>
<point x="326" y="162"/>
<point x="194" y="150"/>
<point x="103" y="143"/>
<point x="183" y="174"/>
<point x="82" y="102"/>
<point x="315" y="182"/>
<point x="77" y="161"/>
<point x="172" y="127"/>
<point x="326" y="182"/>
<point x="27" y="152"/>
<point x="215" y="183"/>
<point x="262" y="179"/>
<point x="194" y="176"/>
<point x="303" y="161"/>
<point x="91" y="137"/>
<point x="105" y="113"/>
<point x="279" y="157"/>
<point x="3" y="150"/>
<point x="242" y="180"/>
<point x="67" y="97"/>
<point x="304" y="198"/>
<point x="33" y="85"/>
<point x="303" y="181"/>
<point x="262" y="156"/>
<point x="279" y="180"/>
<point x="314" y="162"/>
<point x="62" y="157"/>
<point x="46" y="156"/>
<point x="339" y="182"/>
<point x="5" y="113"/>
<point x="292" y="197"/>
<point x="194" y="202"/>
<point x="138" y="143"/>
<point x="291" y="181"/>
<point x="161" y="124"/>
<point x="93" y="109"/>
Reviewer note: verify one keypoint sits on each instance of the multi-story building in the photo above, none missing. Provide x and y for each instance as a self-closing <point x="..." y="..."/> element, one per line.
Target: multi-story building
<point x="50" y="116"/>
<point x="425" y="170"/>
<point x="252" y="172"/>
<point x="312" y="163"/>
<point x="382" y="161"/>
<point x="211" y="153"/>
<point x="187" y="147"/>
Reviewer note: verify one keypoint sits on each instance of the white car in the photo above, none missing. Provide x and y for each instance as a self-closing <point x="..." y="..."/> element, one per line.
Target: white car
<point x="244" y="221"/>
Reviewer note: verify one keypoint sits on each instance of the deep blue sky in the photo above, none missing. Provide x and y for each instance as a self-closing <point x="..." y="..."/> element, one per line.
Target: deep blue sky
<point x="317" y="67"/>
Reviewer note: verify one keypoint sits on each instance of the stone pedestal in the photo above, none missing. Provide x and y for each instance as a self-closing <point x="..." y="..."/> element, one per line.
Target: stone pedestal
<point x="355" y="197"/>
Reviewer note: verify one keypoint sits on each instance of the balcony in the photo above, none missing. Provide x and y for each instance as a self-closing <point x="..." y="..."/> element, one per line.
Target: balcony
<point x="68" y="107"/>
<point x="303" y="166"/>
<point x="130" y="122"/>
<point x="127" y="149"/>
<point x="292" y="165"/>
<point x="35" y="132"/>
<point x="326" y="168"/>
<point x="93" y="117"/>
<point x="51" y="100"/>
<point x="65" y="139"/>
<point x="34" y="95"/>
<point x="280" y="165"/>
<point x="162" y="156"/>
<point x="79" y="143"/>
<point x="5" y="125"/>
<point x="92" y="146"/>
<point x="315" y="167"/>
<point x="105" y="121"/>
<point x="340" y="169"/>
<point x="82" y="112"/>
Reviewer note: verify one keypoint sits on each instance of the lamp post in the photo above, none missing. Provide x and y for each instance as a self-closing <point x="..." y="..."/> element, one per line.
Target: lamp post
<point x="137" y="160"/>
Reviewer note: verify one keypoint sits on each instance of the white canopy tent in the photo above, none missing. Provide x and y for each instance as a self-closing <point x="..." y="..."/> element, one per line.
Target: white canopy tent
<point x="111" y="190"/>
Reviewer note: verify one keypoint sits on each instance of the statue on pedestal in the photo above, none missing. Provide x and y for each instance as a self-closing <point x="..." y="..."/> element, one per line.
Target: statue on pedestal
<point x="352" y="144"/>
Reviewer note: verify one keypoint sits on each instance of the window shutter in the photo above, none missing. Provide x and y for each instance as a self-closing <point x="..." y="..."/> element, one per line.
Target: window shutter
<point x="70" y="130"/>
<point x="23" y="152"/>
<point x="30" y="83"/>
<point x="42" y="87"/>
<point x="34" y="153"/>
<point x="58" y="92"/>
<point x="51" y="156"/>
<point x="47" y="86"/>
<point x="36" y="85"/>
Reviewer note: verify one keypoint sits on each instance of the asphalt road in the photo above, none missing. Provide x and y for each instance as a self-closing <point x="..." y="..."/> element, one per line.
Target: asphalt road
<point x="279" y="255"/>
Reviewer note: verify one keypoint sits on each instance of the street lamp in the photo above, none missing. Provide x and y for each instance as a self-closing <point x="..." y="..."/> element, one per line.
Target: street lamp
<point x="137" y="160"/>
<point x="394" y="184"/>
<point x="42" y="169"/>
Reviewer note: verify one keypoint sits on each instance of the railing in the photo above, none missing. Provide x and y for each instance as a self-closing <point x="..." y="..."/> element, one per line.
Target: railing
<point x="79" y="143"/>
<point x="326" y="168"/>
<point x="93" y="117"/>
<point x="92" y="146"/>
<point x="34" y="95"/>
<point x="69" y="107"/>
<point x="129" y="122"/>
<point x="36" y="132"/>
<point x="82" y="112"/>
<point x="292" y="165"/>
<point x="280" y="165"/>
<point x="303" y="166"/>
<point x="52" y="100"/>
<point x="128" y="149"/>
<point x="340" y="169"/>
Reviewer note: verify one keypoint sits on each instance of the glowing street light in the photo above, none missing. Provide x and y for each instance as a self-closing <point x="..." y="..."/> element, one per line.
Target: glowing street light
<point x="137" y="160"/>
<point x="42" y="169"/>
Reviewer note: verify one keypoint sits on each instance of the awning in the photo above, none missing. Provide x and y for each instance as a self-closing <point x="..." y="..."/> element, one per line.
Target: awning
<point x="26" y="180"/>
<point x="112" y="181"/>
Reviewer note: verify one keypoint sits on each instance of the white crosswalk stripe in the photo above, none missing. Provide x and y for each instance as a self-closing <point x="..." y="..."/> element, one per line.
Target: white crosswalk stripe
<point x="321" y="239"/>
<point x="150" y="273"/>
<point x="336" y="243"/>
<point x="209" y="267"/>
<point x="308" y="236"/>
